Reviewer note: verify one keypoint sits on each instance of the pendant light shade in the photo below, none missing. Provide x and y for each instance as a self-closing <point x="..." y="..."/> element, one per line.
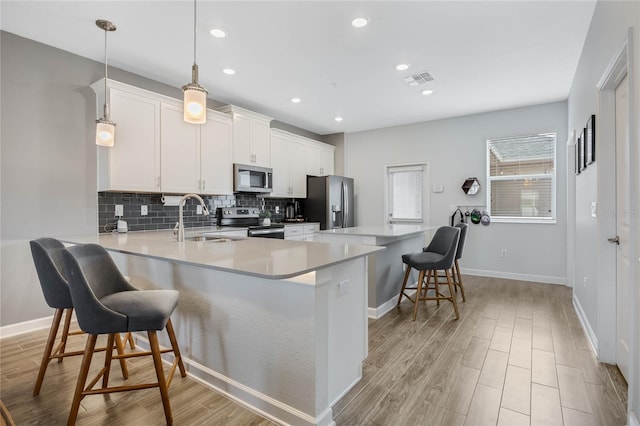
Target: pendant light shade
<point x="105" y="128"/>
<point x="195" y="95"/>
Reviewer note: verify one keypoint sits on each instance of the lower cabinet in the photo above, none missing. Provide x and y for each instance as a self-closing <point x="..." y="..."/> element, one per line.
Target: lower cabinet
<point x="302" y="232"/>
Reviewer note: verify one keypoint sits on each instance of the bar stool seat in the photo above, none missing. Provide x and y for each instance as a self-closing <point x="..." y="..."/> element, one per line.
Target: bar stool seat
<point x="438" y="256"/>
<point x="106" y="303"/>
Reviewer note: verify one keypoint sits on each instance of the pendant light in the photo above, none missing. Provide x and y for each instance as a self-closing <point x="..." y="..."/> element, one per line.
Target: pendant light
<point x="105" y="128"/>
<point x="195" y="96"/>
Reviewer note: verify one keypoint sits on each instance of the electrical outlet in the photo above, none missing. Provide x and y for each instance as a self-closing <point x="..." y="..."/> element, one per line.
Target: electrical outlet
<point x="198" y="209"/>
<point x="503" y="253"/>
<point x="277" y="209"/>
<point x="144" y="211"/>
<point x="119" y="210"/>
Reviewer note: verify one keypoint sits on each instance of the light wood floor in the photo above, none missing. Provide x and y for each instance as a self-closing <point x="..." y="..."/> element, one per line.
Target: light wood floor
<point x="517" y="356"/>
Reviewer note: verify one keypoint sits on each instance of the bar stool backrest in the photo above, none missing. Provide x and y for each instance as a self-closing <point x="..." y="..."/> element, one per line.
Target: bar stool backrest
<point x="463" y="237"/>
<point x="92" y="276"/>
<point x="47" y="257"/>
<point x="445" y="243"/>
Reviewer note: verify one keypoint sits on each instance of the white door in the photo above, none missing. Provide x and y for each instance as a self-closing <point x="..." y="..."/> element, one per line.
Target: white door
<point x="623" y="289"/>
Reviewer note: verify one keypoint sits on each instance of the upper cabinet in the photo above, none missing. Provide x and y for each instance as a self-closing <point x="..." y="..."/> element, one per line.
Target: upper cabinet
<point x="133" y="163"/>
<point x="320" y="159"/>
<point x="250" y="136"/>
<point x="288" y="163"/>
<point x="195" y="158"/>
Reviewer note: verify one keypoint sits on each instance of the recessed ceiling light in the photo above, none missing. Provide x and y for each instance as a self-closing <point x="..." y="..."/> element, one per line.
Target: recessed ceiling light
<point x="218" y="32"/>
<point x="402" y="67"/>
<point x="296" y="100"/>
<point x="228" y="71"/>
<point x="338" y="119"/>
<point x="427" y="92"/>
<point x="359" y="22"/>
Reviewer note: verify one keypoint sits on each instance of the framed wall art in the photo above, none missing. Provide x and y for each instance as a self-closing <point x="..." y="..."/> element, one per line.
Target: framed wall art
<point x="590" y="140"/>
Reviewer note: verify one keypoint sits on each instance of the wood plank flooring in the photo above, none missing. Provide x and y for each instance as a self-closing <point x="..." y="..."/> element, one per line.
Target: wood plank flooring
<point x="517" y="356"/>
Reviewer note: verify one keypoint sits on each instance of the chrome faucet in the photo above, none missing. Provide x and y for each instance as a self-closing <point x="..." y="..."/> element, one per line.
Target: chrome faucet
<point x="181" y="203"/>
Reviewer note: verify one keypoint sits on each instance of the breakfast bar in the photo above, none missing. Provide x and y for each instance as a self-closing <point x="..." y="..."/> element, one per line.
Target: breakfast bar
<point x="385" y="270"/>
<point x="278" y="325"/>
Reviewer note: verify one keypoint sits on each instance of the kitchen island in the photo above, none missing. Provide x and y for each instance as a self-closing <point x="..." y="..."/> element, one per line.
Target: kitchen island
<point x="277" y="325"/>
<point x="386" y="269"/>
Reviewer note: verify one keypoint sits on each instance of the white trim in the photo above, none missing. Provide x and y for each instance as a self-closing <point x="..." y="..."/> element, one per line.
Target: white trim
<point x="591" y="335"/>
<point x="249" y="398"/>
<point x="380" y="311"/>
<point x="25" y="327"/>
<point x="545" y="279"/>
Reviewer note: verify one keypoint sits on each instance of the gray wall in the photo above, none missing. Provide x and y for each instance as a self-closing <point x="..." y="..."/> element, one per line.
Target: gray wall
<point x="456" y="149"/>
<point x="337" y="140"/>
<point x="48" y="159"/>
<point x="606" y="35"/>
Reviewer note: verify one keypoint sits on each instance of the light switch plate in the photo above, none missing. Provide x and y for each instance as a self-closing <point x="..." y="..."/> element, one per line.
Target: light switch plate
<point x="437" y="188"/>
<point x="198" y="209"/>
<point x="144" y="211"/>
<point x="119" y="210"/>
<point x="594" y="209"/>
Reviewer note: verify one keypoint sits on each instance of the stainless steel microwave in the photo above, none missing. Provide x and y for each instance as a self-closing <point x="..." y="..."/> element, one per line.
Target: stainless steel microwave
<point x="252" y="178"/>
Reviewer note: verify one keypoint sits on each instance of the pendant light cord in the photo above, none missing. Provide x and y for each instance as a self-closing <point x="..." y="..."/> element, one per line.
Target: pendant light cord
<point x="106" y="93"/>
<point x="194" y="32"/>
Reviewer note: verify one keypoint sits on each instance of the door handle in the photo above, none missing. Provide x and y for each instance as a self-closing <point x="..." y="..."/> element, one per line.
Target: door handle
<point x="615" y="240"/>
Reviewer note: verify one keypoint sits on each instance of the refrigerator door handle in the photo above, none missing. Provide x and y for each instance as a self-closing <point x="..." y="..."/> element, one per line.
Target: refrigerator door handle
<point x="345" y="205"/>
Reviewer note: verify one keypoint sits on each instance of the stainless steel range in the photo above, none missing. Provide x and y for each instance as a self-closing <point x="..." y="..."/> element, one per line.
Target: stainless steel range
<point x="249" y="217"/>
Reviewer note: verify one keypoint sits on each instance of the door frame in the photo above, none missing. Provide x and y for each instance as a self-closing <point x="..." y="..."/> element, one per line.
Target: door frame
<point x="621" y="65"/>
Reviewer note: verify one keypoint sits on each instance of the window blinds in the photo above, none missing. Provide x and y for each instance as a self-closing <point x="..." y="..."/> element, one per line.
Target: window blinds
<point x="405" y="192"/>
<point x="521" y="175"/>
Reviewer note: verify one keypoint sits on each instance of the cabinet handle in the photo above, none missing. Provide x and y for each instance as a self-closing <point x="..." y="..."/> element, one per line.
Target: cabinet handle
<point x="158" y="181"/>
<point x="204" y="185"/>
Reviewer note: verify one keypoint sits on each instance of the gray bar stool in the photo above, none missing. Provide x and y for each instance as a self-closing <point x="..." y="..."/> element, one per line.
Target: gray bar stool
<point x="438" y="256"/>
<point x="47" y="257"/>
<point x="106" y="303"/>
<point x="455" y="271"/>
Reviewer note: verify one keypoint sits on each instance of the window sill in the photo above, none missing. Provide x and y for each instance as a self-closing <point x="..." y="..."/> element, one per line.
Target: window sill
<point x="523" y="220"/>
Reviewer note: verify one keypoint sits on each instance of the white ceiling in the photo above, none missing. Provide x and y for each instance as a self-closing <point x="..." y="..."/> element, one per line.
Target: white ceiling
<point x="483" y="55"/>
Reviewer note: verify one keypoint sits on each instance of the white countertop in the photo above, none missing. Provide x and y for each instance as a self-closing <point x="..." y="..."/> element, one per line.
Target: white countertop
<point x="384" y="231"/>
<point x="261" y="257"/>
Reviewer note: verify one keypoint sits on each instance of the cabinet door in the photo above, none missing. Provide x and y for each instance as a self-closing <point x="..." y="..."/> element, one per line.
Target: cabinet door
<point x="242" y="140"/>
<point x="216" y="158"/>
<point x="260" y="146"/>
<point x="134" y="160"/>
<point x="280" y="165"/>
<point x="297" y="170"/>
<point x="180" y="155"/>
<point x="319" y="161"/>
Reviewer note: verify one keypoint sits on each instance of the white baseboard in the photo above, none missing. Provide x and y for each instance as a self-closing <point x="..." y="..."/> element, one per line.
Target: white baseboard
<point x="249" y="398"/>
<point x="25" y="327"/>
<point x="380" y="311"/>
<point x="591" y="336"/>
<point x="633" y="419"/>
<point x="546" y="279"/>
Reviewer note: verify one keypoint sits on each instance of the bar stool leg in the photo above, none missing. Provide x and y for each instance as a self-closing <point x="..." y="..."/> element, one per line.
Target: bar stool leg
<point x="415" y="305"/>
<point x="107" y="359"/>
<point x="162" y="384"/>
<point x="65" y="332"/>
<point x="404" y="284"/>
<point x="123" y="362"/>
<point x="176" y="348"/>
<point x="457" y="267"/>
<point x="82" y="378"/>
<point x="130" y="340"/>
<point x="46" y="357"/>
<point x="436" y="283"/>
<point x="452" y="293"/>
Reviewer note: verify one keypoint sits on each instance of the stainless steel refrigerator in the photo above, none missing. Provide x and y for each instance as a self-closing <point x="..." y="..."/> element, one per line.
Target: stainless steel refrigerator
<point x="330" y="201"/>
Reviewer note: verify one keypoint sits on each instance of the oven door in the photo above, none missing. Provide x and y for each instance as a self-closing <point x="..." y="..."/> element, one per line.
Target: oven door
<point x="267" y="232"/>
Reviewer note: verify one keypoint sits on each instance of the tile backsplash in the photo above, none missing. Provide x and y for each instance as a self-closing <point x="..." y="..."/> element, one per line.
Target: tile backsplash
<point x="165" y="217"/>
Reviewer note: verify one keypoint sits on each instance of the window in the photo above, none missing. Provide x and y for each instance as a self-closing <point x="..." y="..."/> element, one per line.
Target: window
<point x="521" y="177"/>
<point x="405" y="193"/>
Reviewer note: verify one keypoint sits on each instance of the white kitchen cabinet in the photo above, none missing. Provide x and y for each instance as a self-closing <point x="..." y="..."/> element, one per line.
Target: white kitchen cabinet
<point x="250" y="136"/>
<point x="288" y="161"/>
<point x="320" y="159"/>
<point x="195" y="158"/>
<point x="133" y="163"/>
<point x="302" y="231"/>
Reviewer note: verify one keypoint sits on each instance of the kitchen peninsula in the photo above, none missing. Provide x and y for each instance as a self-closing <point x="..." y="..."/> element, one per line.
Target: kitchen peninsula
<point x="385" y="270"/>
<point x="279" y="325"/>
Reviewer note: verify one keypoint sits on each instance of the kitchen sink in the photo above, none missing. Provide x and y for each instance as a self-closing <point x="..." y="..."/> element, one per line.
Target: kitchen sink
<point x="209" y="239"/>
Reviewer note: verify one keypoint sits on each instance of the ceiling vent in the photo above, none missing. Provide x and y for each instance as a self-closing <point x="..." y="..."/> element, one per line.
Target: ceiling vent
<point x="417" y="79"/>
